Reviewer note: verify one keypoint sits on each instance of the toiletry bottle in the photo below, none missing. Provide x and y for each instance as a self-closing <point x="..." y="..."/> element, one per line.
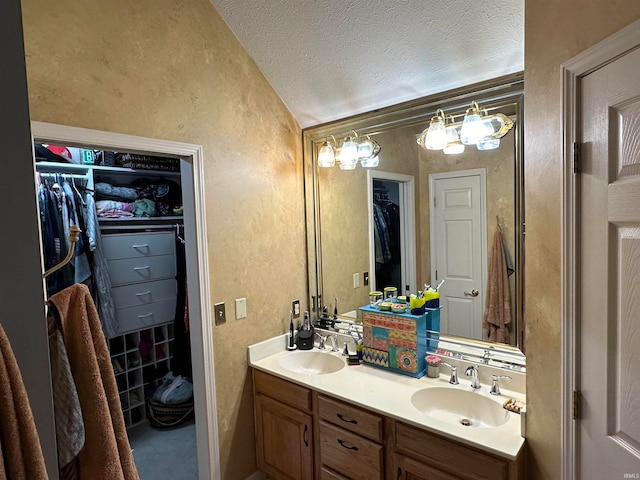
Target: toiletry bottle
<point x="306" y="325"/>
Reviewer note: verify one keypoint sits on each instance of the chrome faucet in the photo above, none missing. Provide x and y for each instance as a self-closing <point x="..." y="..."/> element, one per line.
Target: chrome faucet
<point x="472" y="371"/>
<point x="334" y="342"/>
<point x="324" y="338"/>
<point x="495" y="387"/>
<point x="453" y="380"/>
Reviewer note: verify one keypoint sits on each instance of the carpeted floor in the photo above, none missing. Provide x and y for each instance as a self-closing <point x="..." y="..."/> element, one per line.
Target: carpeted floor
<point x="165" y="454"/>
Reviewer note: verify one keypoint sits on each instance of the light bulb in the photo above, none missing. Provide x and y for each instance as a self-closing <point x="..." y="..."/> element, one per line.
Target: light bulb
<point x="370" y="162"/>
<point x="365" y="149"/>
<point x="436" y="137"/>
<point x="488" y="144"/>
<point x="348" y="154"/>
<point x="454" y="148"/>
<point x="326" y="156"/>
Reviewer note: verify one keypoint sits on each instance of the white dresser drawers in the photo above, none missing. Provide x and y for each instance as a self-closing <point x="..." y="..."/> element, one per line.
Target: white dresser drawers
<point x="136" y="245"/>
<point x="142" y="269"/>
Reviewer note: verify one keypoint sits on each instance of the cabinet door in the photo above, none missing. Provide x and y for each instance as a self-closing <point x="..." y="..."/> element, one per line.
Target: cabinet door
<point x="284" y="440"/>
<point x="409" y="469"/>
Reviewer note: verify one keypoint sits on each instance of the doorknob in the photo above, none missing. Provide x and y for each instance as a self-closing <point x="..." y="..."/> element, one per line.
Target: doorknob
<point x="472" y="293"/>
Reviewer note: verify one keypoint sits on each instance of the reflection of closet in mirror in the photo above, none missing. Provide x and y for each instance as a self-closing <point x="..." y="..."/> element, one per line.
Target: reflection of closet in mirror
<point x="386" y="232"/>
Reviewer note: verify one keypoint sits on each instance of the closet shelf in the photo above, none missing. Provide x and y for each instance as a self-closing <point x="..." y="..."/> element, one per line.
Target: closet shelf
<point x="168" y="218"/>
<point x="56" y="167"/>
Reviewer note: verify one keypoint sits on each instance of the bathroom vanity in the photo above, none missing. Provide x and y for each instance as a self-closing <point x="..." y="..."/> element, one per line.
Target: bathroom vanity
<point x="318" y="419"/>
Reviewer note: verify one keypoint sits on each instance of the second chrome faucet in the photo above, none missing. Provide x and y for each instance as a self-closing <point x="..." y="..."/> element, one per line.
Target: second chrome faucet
<point x="472" y="371"/>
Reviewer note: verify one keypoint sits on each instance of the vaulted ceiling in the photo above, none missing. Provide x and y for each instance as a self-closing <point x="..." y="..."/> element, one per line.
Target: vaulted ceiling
<point x="329" y="59"/>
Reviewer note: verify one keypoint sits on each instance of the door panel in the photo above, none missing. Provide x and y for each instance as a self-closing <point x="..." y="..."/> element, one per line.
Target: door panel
<point x="459" y="250"/>
<point x="609" y="245"/>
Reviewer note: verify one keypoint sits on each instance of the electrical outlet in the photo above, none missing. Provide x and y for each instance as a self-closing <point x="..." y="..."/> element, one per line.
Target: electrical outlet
<point x="241" y="308"/>
<point x="218" y="311"/>
<point x="295" y="308"/>
<point x="365" y="278"/>
<point x="356" y="280"/>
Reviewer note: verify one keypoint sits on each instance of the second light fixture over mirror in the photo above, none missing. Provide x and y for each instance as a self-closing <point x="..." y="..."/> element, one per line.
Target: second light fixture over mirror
<point x="478" y="128"/>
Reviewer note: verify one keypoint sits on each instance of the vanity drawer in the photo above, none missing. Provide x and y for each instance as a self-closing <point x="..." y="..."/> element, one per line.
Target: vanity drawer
<point x="136" y="245"/>
<point x="326" y="474"/>
<point x="145" y="316"/>
<point x="446" y="455"/>
<point x="350" y="418"/>
<point x="286" y="392"/>
<point x="138" y="294"/>
<point x="135" y="270"/>
<point x="351" y="454"/>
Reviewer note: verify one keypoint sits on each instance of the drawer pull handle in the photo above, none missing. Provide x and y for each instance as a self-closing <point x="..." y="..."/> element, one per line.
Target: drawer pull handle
<point x="142" y="294"/>
<point x="305" y="436"/>
<point x="146" y="267"/>
<point x="145" y="315"/>
<point x="348" y="420"/>
<point x="348" y="447"/>
<point x="143" y="245"/>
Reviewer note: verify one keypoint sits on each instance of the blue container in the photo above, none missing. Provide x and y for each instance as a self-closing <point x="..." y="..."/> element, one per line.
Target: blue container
<point x="399" y="341"/>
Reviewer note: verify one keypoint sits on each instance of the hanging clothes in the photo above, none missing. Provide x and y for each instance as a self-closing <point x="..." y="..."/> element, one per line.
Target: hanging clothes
<point x="181" y="364"/>
<point x="497" y="314"/>
<point x="101" y="279"/>
<point x="21" y="450"/>
<point x="106" y="454"/>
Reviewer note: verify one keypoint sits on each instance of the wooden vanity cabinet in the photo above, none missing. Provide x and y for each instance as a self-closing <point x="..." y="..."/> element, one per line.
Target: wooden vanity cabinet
<point x="284" y="428"/>
<point x="350" y="441"/>
<point x="302" y="435"/>
<point x="421" y="455"/>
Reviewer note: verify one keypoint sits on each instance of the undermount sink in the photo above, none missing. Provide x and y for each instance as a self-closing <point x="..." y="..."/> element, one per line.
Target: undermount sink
<point x="460" y="407"/>
<point x="311" y="362"/>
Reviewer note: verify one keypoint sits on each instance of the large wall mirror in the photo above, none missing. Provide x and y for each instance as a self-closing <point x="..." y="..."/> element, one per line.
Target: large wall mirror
<point x="348" y="258"/>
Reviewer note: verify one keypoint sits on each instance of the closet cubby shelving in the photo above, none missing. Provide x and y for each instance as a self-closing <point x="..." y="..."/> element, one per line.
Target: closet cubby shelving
<point x="138" y="373"/>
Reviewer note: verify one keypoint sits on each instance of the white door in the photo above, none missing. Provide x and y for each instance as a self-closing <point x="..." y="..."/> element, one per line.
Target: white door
<point x="609" y="282"/>
<point x="459" y="249"/>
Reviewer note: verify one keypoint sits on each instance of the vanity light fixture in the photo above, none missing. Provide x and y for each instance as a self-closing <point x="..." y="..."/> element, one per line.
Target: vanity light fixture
<point x="352" y="150"/>
<point x="478" y="128"/>
<point x="326" y="154"/>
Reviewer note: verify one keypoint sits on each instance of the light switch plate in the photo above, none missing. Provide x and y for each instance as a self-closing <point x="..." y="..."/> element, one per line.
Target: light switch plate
<point x="241" y="308"/>
<point x="295" y="308"/>
<point x="356" y="280"/>
<point x="219" y="313"/>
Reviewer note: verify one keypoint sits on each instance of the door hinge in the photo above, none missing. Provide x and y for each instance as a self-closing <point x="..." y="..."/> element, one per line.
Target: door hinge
<point x="577" y="404"/>
<point x="577" y="157"/>
<point x="436" y="275"/>
<point x="435" y="202"/>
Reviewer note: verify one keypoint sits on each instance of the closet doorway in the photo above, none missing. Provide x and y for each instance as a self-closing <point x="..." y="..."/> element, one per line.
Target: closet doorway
<point x="392" y="237"/>
<point x="196" y="265"/>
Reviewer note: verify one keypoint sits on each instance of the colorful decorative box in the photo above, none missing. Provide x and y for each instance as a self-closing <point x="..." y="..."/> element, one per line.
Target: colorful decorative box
<point x="399" y="341"/>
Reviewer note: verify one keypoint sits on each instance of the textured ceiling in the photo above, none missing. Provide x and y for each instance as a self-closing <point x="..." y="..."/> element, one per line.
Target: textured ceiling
<point x="329" y="59"/>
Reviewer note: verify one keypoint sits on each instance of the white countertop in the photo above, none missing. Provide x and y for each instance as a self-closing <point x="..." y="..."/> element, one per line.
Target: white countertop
<point x="390" y="394"/>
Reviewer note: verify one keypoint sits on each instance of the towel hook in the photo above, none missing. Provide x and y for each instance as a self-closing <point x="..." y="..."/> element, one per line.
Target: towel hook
<point x="74" y="231"/>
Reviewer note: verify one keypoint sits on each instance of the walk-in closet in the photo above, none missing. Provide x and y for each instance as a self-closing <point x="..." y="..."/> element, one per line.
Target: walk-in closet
<point x="131" y="256"/>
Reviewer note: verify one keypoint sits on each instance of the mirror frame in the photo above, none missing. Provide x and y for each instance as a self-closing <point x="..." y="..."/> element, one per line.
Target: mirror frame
<point x="505" y="90"/>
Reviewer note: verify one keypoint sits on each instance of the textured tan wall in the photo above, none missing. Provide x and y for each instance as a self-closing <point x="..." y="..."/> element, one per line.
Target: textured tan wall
<point x="554" y="33"/>
<point x="172" y="69"/>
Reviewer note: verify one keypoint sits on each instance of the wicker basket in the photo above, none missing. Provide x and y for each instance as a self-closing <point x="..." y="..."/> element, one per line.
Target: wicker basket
<point x="163" y="415"/>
